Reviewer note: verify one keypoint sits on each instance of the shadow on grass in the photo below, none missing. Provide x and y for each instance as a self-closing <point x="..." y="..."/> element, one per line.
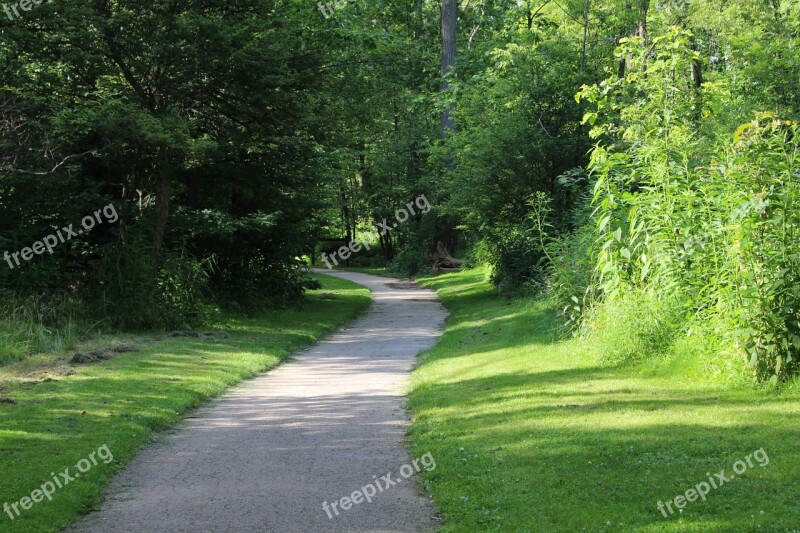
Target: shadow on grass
<point x="584" y="458"/>
<point x="120" y="402"/>
<point x="530" y="433"/>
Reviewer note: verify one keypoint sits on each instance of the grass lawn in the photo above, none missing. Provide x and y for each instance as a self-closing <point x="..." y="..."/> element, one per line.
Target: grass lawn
<point x="530" y="433"/>
<point x="54" y="414"/>
<point x="375" y="271"/>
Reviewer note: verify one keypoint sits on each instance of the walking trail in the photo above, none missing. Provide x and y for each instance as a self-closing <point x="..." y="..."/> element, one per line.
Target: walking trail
<point x="265" y="456"/>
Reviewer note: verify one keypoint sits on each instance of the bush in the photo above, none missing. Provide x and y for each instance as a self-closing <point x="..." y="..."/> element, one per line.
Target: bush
<point x="183" y="283"/>
<point x="256" y="265"/>
<point x="130" y="293"/>
<point x="515" y="252"/>
<point x="412" y="259"/>
<point x="571" y="261"/>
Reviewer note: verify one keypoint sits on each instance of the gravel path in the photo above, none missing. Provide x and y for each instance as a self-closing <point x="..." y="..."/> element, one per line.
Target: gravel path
<point x="265" y="456"/>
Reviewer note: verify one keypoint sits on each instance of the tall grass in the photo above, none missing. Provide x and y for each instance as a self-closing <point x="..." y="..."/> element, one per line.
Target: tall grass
<point x="39" y="323"/>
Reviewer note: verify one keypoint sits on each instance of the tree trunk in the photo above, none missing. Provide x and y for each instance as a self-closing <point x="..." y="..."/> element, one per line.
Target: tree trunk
<point x="386" y="245"/>
<point x="697" y="80"/>
<point x="348" y="227"/>
<point x="449" y="24"/>
<point x="585" y="35"/>
<point x="641" y="31"/>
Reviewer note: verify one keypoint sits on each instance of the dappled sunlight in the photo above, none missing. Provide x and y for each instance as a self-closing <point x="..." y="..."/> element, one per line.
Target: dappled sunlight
<point x="320" y="425"/>
<point x="68" y="410"/>
<point x="524" y="419"/>
<point x="484" y="322"/>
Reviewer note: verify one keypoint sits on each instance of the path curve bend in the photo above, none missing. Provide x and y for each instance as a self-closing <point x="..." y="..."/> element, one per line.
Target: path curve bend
<point x="263" y="457"/>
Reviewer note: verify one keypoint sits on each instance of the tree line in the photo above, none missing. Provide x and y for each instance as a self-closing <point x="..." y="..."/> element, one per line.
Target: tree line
<point x="632" y="160"/>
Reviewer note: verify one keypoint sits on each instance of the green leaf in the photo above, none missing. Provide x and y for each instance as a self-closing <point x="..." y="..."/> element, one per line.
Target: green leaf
<point x="603" y="223"/>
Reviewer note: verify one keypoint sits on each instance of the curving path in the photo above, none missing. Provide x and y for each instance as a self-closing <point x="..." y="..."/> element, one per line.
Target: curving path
<point x="266" y="455"/>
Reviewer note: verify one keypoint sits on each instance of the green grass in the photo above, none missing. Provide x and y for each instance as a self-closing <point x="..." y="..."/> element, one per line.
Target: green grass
<point x="531" y="433"/>
<point x="375" y="271"/>
<point x="63" y="413"/>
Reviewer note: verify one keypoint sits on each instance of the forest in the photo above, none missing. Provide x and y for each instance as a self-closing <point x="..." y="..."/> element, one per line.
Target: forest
<point x="634" y="161"/>
<point x="632" y="166"/>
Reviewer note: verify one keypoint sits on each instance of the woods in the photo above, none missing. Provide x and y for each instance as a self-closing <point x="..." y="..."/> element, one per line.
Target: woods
<point x="236" y="137"/>
<point x="561" y="237"/>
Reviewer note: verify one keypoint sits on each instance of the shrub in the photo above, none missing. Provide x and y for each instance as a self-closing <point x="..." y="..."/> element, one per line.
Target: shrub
<point x="412" y="259"/>
<point x="256" y="263"/>
<point x="183" y="284"/>
<point x="131" y="293"/>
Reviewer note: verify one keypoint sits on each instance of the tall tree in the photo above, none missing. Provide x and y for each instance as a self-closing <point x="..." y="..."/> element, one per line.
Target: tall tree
<point x="449" y="50"/>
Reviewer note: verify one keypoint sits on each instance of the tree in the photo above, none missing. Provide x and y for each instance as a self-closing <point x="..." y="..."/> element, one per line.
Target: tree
<point x="449" y="51"/>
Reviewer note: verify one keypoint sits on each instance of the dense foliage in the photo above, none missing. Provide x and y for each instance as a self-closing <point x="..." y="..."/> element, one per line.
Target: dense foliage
<point x="191" y="119"/>
<point x="692" y="226"/>
<point x="636" y="161"/>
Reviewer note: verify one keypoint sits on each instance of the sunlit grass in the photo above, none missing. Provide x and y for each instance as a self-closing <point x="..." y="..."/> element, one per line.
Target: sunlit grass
<point x="531" y="433"/>
<point x="64" y="412"/>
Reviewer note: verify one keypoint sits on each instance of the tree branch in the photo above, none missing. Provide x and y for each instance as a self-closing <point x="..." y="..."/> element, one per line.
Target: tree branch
<point x="53" y="170"/>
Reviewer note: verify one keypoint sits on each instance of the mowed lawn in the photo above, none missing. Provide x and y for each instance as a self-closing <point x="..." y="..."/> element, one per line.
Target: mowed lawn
<point x="530" y="433"/>
<point x="53" y="414"/>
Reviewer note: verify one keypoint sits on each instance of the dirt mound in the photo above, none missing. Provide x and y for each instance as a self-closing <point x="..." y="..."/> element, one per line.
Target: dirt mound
<point x="102" y="354"/>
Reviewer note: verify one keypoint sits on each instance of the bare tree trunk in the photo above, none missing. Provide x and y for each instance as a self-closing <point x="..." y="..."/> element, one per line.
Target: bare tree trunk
<point x="585" y="34"/>
<point x="449" y="50"/>
<point x="387" y="248"/>
<point x="583" y="69"/>
<point x="348" y="228"/>
<point x="641" y="29"/>
<point x="697" y="80"/>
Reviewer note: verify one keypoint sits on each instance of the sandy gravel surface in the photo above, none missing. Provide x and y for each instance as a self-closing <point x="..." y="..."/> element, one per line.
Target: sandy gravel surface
<point x="265" y="456"/>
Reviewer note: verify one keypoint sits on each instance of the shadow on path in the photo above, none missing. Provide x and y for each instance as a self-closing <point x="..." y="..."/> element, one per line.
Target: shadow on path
<point x="267" y="454"/>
